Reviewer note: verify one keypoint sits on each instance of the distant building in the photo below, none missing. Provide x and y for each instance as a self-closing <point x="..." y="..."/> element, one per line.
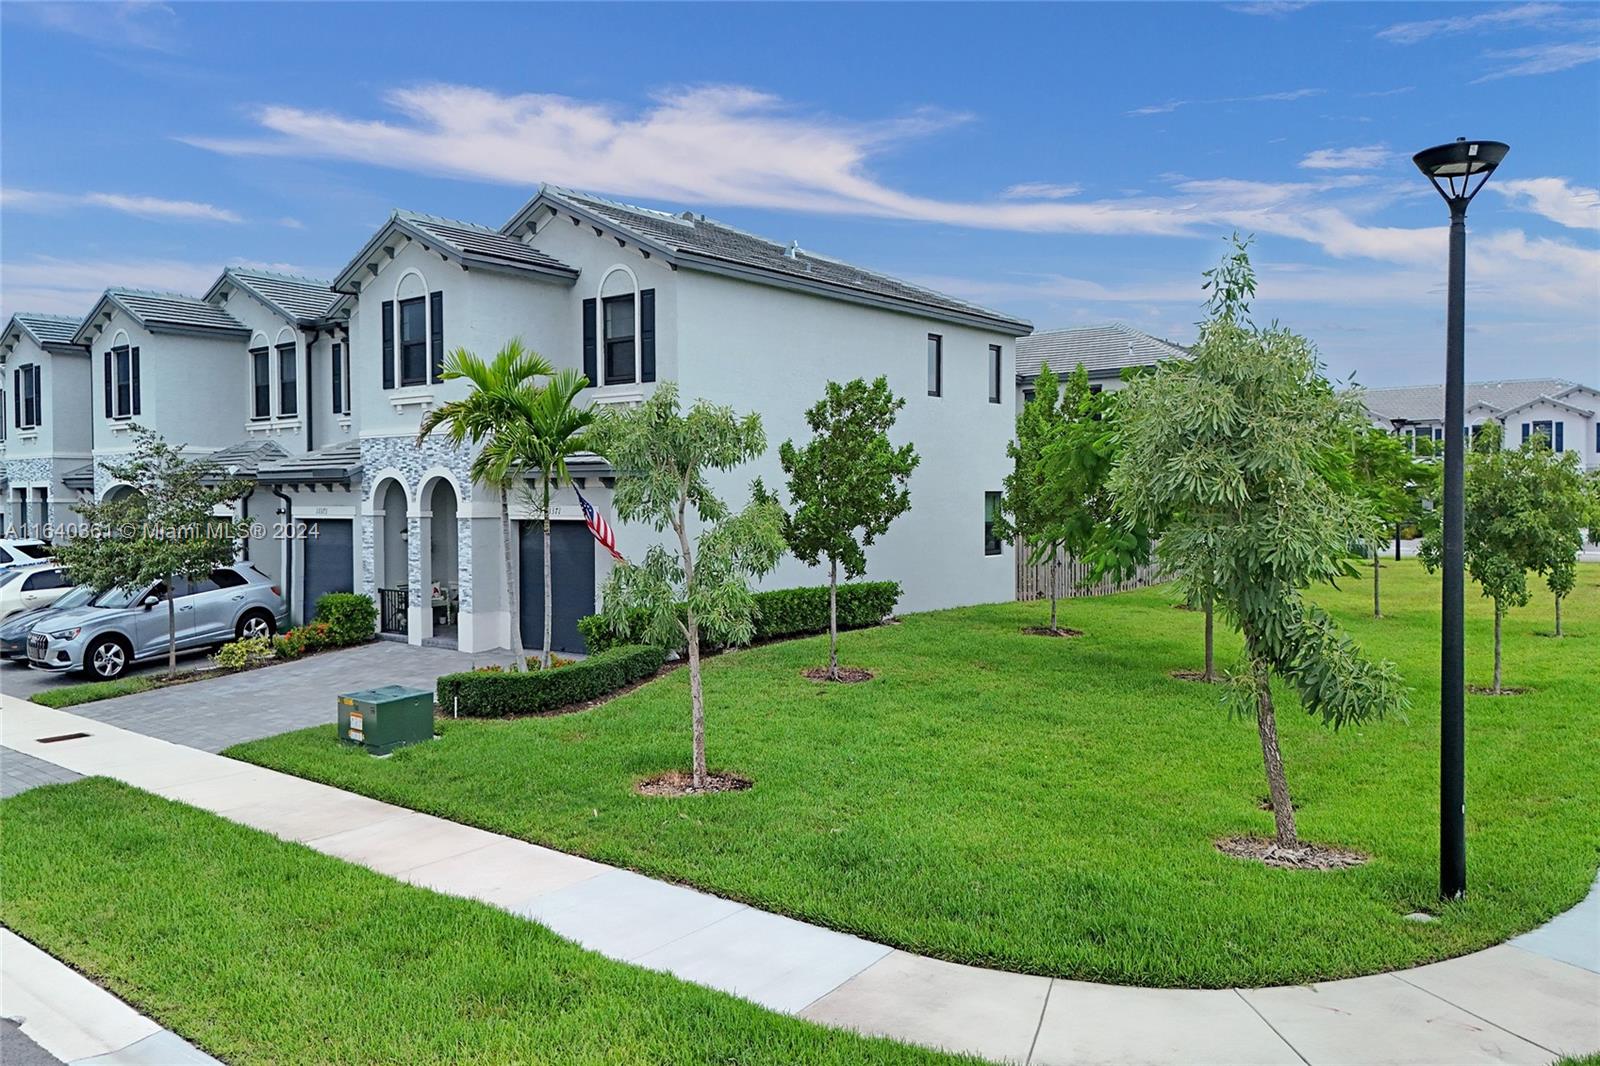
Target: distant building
<point x="1565" y="413"/>
<point x="1105" y="352"/>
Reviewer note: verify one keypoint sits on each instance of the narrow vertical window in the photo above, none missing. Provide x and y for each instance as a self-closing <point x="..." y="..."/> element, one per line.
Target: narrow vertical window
<point x="124" y="382"/>
<point x="260" y="383"/>
<point x="991" y="512"/>
<point x="935" y="364"/>
<point x="341" y="399"/>
<point x="288" y="398"/>
<point x="413" y="342"/>
<point x="620" y="361"/>
<point x="994" y="373"/>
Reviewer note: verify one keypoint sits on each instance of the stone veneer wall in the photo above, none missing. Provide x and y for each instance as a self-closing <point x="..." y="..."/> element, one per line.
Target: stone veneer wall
<point x="412" y="461"/>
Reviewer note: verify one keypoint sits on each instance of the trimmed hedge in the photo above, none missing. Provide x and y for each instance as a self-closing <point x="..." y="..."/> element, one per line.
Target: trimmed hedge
<point x="351" y="617"/>
<point x="780" y="613"/>
<point x="493" y="694"/>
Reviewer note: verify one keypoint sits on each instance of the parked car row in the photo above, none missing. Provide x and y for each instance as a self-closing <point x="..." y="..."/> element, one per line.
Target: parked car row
<point x="15" y="553"/>
<point x="69" y="627"/>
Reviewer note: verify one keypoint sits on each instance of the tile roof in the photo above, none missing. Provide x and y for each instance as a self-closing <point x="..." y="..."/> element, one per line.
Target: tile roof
<point x="297" y="298"/>
<point x="1423" y="403"/>
<point x="79" y="477"/>
<point x="1104" y="348"/>
<point x="472" y="241"/>
<point x="244" y="458"/>
<point x="46" y="329"/>
<point x="159" y="311"/>
<point x="698" y="237"/>
<point x="338" y="463"/>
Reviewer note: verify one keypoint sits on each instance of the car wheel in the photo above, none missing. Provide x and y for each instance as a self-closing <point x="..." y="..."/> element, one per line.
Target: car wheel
<point x="106" y="659"/>
<point x="254" y="625"/>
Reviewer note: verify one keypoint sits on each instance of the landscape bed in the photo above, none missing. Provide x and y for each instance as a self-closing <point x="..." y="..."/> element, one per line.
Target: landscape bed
<point x="1052" y="806"/>
<point x="263" y="951"/>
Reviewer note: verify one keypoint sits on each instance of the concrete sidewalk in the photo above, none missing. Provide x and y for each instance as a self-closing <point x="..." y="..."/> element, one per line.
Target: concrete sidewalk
<point x="1525" y="1002"/>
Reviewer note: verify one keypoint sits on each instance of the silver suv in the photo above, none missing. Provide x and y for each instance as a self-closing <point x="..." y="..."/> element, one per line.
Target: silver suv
<point x="120" y="627"/>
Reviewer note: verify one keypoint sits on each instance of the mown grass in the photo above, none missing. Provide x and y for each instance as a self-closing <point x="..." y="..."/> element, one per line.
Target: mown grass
<point x="266" y="952"/>
<point x="90" y="691"/>
<point x="1049" y="805"/>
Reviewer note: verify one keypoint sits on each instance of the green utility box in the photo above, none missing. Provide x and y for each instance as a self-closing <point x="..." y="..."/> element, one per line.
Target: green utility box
<point x="383" y="719"/>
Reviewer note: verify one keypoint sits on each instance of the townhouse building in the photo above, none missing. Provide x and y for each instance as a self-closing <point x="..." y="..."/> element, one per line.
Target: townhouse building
<point x="44" y="421"/>
<point x="1104" y="351"/>
<point x="315" y="392"/>
<point x="1565" y="414"/>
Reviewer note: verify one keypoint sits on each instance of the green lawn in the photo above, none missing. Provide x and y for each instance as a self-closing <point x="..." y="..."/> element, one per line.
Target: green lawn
<point x="1049" y="805"/>
<point x="89" y="691"/>
<point x="267" y="952"/>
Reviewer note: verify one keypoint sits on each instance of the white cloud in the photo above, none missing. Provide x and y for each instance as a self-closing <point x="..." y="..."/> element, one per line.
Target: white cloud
<point x="1270" y="8"/>
<point x="1260" y="98"/>
<point x="1542" y="59"/>
<point x="1573" y="206"/>
<point x="1521" y="14"/>
<point x="54" y="285"/>
<point x="1041" y="190"/>
<point x="141" y="206"/>
<point x="135" y="24"/>
<point x="1363" y="158"/>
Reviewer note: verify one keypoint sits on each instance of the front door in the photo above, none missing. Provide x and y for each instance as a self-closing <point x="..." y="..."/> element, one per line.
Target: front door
<point x="572" y="583"/>
<point x="329" y="561"/>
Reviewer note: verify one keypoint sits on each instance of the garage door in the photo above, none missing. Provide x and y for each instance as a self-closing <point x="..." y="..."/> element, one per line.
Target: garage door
<point x="329" y="560"/>
<point x="572" y="580"/>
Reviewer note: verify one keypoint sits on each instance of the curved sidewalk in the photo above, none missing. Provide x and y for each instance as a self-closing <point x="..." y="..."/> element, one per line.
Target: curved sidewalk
<point x="1528" y="1001"/>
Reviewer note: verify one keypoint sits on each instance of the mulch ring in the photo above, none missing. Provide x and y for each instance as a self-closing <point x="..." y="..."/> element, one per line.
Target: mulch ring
<point x="847" y="674"/>
<point x="1195" y="675"/>
<point x="1046" y="631"/>
<point x="1487" y="690"/>
<point x="1303" y="857"/>
<point x="676" y="783"/>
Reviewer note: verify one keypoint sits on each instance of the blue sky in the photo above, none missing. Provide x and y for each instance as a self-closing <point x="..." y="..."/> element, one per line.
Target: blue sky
<point x="1069" y="163"/>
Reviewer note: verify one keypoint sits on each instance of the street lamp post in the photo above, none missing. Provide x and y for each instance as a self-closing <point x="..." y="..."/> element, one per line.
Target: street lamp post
<point x="1453" y="169"/>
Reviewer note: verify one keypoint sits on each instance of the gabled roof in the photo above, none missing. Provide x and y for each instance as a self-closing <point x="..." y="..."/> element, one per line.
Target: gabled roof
<point x="467" y="243"/>
<point x="47" y="331"/>
<point x="335" y="464"/>
<point x="695" y="241"/>
<point x="304" y="301"/>
<point x="1101" y="349"/>
<point x="1425" y="403"/>
<point x="1552" y="401"/>
<point x="80" y="478"/>
<point x="159" y="312"/>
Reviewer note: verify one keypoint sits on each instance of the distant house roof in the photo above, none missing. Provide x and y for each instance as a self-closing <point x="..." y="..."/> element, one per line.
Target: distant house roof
<point x="1101" y="349"/>
<point x="1425" y="403"/>
<point x="301" y="300"/>
<point x="47" y="331"/>
<point x="335" y="464"/>
<point x="244" y="458"/>
<point x="468" y="243"/>
<point x="692" y="240"/>
<point x="159" y="312"/>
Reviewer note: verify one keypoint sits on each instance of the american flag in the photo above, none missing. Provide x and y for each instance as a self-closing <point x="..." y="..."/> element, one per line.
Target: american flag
<point x="600" y="528"/>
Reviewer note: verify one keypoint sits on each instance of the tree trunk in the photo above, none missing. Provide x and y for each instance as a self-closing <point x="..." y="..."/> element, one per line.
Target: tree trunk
<point x="1377" y="612"/>
<point x="1055" y="565"/>
<point x="1397" y="542"/>
<point x="544" y="655"/>
<point x="697" y="702"/>
<point x="1211" y="662"/>
<point x="833" y="619"/>
<point x="1558" y="616"/>
<point x="1498" y="614"/>
<point x="172" y="629"/>
<point x="1277" y="784"/>
<point x="513" y="607"/>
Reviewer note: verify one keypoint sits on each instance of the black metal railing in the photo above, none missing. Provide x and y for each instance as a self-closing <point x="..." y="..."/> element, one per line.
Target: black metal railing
<point x="392" y="613"/>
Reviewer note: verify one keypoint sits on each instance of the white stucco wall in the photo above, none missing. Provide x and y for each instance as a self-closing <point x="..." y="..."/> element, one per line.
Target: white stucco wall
<point x="1577" y="430"/>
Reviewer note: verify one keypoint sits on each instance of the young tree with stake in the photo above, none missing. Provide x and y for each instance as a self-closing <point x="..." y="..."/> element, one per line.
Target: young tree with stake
<point x="164" y="528"/>
<point x="702" y="592"/>
<point x="1243" y="444"/>
<point x="848" y="483"/>
<point x="1389" y="478"/>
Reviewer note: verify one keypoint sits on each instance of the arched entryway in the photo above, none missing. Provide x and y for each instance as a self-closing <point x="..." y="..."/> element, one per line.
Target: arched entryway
<point x="391" y="542"/>
<point x="440" y="556"/>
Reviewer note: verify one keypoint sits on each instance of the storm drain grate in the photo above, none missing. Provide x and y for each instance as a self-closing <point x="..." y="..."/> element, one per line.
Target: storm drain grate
<point x="63" y="736"/>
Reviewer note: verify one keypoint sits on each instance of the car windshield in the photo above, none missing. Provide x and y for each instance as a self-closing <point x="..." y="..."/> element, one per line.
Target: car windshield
<point x="119" y="598"/>
<point x="77" y="597"/>
<point x="38" y="551"/>
<point x="11" y="577"/>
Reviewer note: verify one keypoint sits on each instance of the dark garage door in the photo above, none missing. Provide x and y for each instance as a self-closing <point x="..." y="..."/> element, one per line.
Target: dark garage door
<point x="572" y="583"/>
<point x="329" y="562"/>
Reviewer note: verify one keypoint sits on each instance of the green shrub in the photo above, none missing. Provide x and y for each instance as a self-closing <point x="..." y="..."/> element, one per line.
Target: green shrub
<point x="490" y="694"/>
<point x="779" y="613"/>
<point x="351" y="617"/>
<point x="238" y="654"/>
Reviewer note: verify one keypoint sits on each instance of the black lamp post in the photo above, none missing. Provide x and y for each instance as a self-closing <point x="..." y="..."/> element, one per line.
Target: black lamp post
<point x="1458" y="171"/>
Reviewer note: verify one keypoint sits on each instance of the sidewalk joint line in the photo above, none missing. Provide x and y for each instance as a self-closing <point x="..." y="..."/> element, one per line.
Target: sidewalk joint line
<point x="715" y="921"/>
<point x="887" y="951"/>
<point x="1476" y="1015"/>
<point x="1033" y="1045"/>
<point x="1240" y="993"/>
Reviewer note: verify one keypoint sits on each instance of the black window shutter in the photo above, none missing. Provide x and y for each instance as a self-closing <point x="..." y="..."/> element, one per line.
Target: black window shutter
<point x="436" y="336"/>
<point x="109" y="412"/>
<point x="133" y="377"/>
<point x="16" y="395"/>
<point x="647" y="335"/>
<point x="590" y="361"/>
<point x="38" y="398"/>
<point x="388" y="344"/>
<point x="338" y="379"/>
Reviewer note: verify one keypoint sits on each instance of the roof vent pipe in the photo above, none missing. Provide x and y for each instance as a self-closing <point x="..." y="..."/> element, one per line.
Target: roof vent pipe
<point x="794" y="250"/>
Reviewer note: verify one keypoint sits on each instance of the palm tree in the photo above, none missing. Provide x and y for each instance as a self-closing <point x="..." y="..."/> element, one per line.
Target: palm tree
<point x="551" y="431"/>
<point x="491" y="415"/>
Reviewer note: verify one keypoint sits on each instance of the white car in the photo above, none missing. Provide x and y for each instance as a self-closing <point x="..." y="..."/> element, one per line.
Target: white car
<point x="26" y="588"/>
<point x="23" y="553"/>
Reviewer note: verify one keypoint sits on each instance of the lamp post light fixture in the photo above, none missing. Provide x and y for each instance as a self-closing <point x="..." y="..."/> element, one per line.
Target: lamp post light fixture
<point x="1459" y="171"/>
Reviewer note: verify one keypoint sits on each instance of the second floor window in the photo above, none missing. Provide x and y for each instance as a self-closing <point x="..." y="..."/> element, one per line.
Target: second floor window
<point x="341" y="381"/>
<point x="935" y="364"/>
<point x="413" y="341"/>
<point x="123" y="363"/>
<point x="27" y="397"/>
<point x="288" y="401"/>
<point x="996" y="361"/>
<point x="618" y="315"/>
<point x="260" y="383"/>
<point x="991" y="512"/>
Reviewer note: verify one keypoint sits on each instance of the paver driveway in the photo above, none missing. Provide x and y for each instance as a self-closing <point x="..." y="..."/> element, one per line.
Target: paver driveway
<point x="223" y="711"/>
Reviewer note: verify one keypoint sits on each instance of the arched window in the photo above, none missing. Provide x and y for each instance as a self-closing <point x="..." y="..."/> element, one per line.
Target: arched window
<point x="619" y="326"/>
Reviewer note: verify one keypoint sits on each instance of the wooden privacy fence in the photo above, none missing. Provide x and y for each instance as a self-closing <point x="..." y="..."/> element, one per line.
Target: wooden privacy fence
<point x="1033" y="581"/>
